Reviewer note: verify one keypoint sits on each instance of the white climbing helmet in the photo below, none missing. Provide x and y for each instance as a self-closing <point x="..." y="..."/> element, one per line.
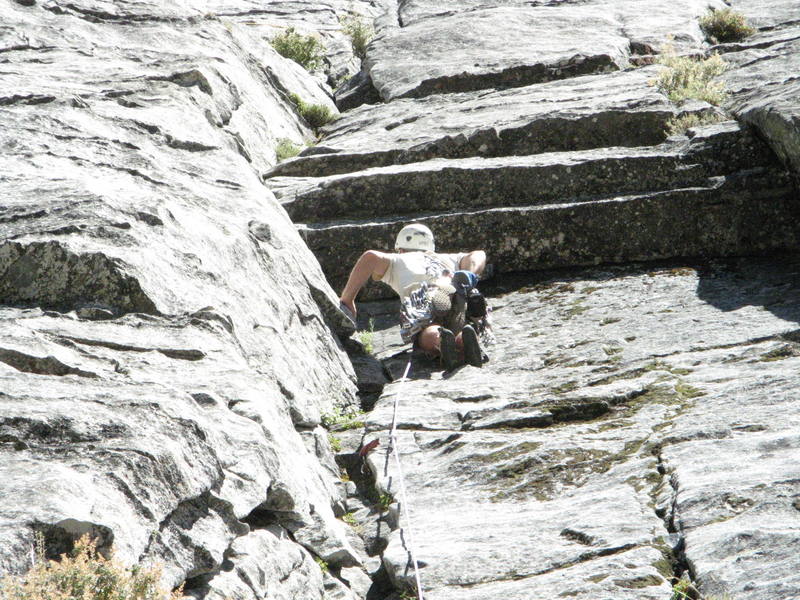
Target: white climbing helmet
<point x="415" y="237"/>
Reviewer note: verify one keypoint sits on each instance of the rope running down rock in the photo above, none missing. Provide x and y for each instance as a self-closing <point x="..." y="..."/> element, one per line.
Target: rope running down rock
<point x="394" y="449"/>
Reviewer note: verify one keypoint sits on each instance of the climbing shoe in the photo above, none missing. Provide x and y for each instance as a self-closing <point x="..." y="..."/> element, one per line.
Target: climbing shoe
<point x="472" y="347"/>
<point x="447" y="349"/>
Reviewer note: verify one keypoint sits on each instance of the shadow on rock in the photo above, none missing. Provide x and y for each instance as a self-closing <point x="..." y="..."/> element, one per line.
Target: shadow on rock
<point x="772" y="282"/>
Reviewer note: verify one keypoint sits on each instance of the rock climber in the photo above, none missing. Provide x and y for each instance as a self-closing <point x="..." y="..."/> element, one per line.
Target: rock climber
<point x="433" y="290"/>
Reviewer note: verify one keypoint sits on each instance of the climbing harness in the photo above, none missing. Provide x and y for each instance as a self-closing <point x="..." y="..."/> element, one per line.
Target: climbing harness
<point x="406" y="532"/>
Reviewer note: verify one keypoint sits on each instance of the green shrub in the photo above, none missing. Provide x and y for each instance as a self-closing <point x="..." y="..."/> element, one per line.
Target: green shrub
<point x="84" y="575"/>
<point x="352" y="521"/>
<point x="726" y="25"/>
<point x="323" y="566"/>
<point x="683" y="589"/>
<point x="679" y="125"/>
<point x="335" y="442"/>
<point x="305" y="50"/>
<point x="342" y="420"/>
<point x="367" y="337"/>
<point x="286" y="149"/>
<point x="385" y="501"/>
<point x="686" y="77"/>
<point x="316" y="115"/>
<point x="360" y="33"/>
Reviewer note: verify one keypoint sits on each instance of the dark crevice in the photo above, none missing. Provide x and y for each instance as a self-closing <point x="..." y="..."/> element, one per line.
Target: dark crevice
<point x="189" y="354"/>
<point x="261" y="518"/>
<point x="26" y="99"/>
<point x="188" y="145"/>
<point x="675" y="553"/>
<point x="24" y="47"/>
<point x="98" y="16"/>
<point x="59" y="538"/>
<point x="40" y="365"/>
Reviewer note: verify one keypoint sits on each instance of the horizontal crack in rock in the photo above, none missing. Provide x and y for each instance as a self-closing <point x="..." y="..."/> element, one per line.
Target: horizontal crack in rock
<point x="177" y="353"/>
<point x="40" y="365"/>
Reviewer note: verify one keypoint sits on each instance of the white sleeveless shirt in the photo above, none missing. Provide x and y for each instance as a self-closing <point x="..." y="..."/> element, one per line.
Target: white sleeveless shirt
<point x="408" y="270"/>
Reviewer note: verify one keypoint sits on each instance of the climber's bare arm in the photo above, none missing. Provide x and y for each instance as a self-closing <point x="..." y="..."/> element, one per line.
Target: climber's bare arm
<point x="371" y="264"/>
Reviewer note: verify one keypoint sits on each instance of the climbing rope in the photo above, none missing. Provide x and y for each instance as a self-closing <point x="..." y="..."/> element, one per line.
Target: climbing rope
<point x="404" y="505"/>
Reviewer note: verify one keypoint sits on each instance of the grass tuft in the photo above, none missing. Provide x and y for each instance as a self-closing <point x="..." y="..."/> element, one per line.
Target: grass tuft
<point x="286" y="149"/>
<point x="306" y="50"/>
<point x="367" y="337"/>
<point x="679" y="125"/>
<point x="360" y="33"/>
<point x="726" y="25"/>
<point x="335" y="443"/>
<point x="686" y="77"/>
<point x="385" y="501"/>
<point x="84" y="574"/>
<point x="342" y="420"/>
<point x="316" y="115"/>
<point x="323" y="566"/>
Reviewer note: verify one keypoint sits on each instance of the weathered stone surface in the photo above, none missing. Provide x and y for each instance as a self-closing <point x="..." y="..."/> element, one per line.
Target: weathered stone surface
<point x="769" y="14"/>
<point x="645" y="23"/>
<point x="266" y="563"/>
<point x="687" y="466"/>
<point x="180" y="416"/>
<point x="166" y="335"/>
<point x="766" y="91"/>
<point x="441" y="49"/>
<point x="620" y="109"/>
<point x="465" y="51"/>
<point x="468" y="184"/>
<point x="166" y="347"/>
<point x="524" y="227"/>
<point x="763" y="77"/>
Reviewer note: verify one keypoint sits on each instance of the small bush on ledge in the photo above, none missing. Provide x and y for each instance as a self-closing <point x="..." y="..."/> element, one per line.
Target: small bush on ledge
<point x="84" y="575"/>
<point x="360" y="33"/>
<point x="686" y="77"/>
<point x="679" y="125"/>
<point x="316" y="115"/>
<point x="726" y="25"/>
<point x="286" y="149"/>
<point x="305" y="50"/>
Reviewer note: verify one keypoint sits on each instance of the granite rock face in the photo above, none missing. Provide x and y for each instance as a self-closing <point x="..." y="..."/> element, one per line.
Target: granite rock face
<point x="171" y="354"/>
<point x="633" y="425"/>
<point x="168" y="341"/>
<point x="433" y="48"/>
<point x="763" y="82"/>
<point x="546" y="160"/>
<point x="595" y="455"/>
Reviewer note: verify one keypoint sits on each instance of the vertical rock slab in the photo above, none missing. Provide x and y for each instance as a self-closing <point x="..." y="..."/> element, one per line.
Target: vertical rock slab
<point x="763" y="80"/>
<point x="166" y="335"/>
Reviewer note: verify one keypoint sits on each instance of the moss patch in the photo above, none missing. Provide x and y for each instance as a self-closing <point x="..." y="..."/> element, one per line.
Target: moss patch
<point x="636" y="583"/>
<point x="565" y="387"/>
<point x="781" y="353"/>
<point x="576" y="308"/>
